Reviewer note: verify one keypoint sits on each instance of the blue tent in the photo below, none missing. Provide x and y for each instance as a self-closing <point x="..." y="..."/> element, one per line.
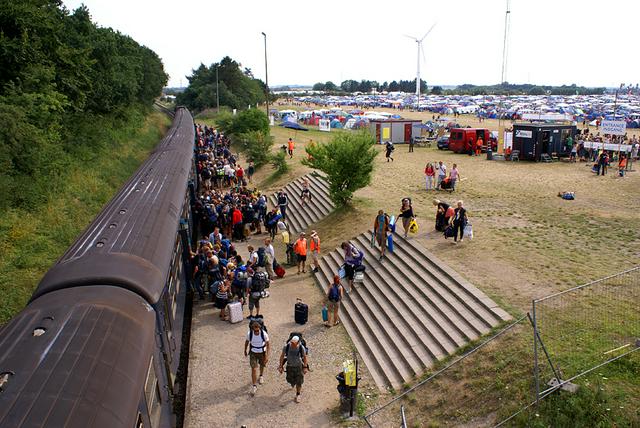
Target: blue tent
<point x="293" y="125"/>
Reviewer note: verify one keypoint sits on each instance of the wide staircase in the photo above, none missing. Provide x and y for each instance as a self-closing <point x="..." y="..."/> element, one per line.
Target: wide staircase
<point x="300" y="216"/>
<point x="410" y="311"/>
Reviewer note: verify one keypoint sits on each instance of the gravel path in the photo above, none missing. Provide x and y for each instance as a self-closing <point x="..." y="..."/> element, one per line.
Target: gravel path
<point x="220" y="377"/>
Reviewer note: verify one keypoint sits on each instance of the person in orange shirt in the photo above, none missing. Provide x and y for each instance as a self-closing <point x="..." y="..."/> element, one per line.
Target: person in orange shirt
<point x="314" y="247"/>
<point x="291" y="145"/>
<point x="479" y="145"/>
<point x="300" y="248"/>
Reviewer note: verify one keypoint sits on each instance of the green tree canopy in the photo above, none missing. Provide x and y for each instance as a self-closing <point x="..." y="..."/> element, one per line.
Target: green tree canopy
<point x="347" y="160"/>
<point x="237" y="87"/>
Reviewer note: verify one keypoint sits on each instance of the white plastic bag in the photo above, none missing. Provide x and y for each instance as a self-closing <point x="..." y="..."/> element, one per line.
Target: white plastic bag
<point x="468" y="231"/>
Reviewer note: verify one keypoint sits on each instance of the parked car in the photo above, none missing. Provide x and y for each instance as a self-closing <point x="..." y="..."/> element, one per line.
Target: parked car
<point x="443" y="142"/>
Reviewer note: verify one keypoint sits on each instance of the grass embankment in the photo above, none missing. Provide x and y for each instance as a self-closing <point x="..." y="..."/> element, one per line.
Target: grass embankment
<point x="31" y="241"/>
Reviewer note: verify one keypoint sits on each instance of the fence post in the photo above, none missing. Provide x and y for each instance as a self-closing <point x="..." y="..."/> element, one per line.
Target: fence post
<point x="536" y="369"/>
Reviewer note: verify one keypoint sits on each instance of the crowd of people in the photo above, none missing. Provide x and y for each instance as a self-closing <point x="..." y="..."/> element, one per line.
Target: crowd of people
<point x="227" y="211"/>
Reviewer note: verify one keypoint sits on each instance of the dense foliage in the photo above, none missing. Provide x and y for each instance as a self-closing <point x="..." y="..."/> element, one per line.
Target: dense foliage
<point x="368" y="85"/>
<point x="237" y="87"/>
<point x="347" y="159"/>
<point x="248" y="130"/>
<point x="60" y="74"/>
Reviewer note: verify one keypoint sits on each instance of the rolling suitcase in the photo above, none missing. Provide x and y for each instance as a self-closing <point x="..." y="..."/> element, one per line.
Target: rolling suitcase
<point x="325" y="314"/>
<point x="235" y="312"/>
<point x="301" y="312"/>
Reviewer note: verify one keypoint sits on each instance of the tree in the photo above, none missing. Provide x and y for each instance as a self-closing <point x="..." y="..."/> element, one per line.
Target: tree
<point x="318" y="86"/>
<point x="330" y="87"/>
<point x="348" y="162"/>
<point x="349" y="86"/>
<point x="436" y="90"/>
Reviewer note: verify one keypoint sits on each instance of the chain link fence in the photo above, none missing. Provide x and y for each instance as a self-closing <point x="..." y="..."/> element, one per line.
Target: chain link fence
<point x="584" y="328"/>
<point x="499" y="380"/>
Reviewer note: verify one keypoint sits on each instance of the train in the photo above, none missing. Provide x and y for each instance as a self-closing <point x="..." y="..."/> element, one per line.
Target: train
<point x="99" y="344"/>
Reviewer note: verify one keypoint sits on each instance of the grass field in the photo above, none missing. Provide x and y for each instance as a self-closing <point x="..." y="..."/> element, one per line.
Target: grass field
<point x="528" y="243"/>
<point x="30" y="242"/>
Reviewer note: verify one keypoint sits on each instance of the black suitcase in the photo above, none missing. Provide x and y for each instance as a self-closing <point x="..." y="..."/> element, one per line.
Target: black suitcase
<point x="301" y="312"/>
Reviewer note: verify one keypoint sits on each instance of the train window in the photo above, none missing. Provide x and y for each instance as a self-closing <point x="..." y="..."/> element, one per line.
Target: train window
<point x="152" y="394"/>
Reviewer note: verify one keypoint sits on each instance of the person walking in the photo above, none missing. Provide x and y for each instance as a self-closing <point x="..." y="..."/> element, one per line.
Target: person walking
<point x="305" y="194"/>
<point x="333" y="298"/>
<point x="411" y="144"/>
<point x="256" y="347"/>
<point x="389" y="149"/>
<point x="295" y="356"/>
<point x="430" y="174"/>
<point x="290" y="146"/>
<point x="352" y="259"/>
<point x="250" y="171"/>
<point x="314" y="247"/>
<point x="454" y="175"/>
<point x="406" y="214"/>
<point x="300" y="248"/>
<point x="442" y="173"/>
<point x="381" y="227"/>
<point x="459" y="222"/>
<point x="283" y="203"/>
<point x="269" y="258"/>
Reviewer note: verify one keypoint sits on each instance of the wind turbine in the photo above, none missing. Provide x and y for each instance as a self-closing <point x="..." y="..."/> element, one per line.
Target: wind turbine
<point x="420" y="49"/>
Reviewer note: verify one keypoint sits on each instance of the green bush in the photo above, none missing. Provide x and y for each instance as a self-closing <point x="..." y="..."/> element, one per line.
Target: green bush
<point x="348" y="162"/>
<point x="256" y="146"/>
<point x="279" y="163"/>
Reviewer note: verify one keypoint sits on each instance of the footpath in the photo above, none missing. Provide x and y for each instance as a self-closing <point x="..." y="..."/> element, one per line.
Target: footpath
<point x="219" y="375"/>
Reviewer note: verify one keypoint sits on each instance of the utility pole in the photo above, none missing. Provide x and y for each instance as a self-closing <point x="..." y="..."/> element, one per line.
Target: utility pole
<point x="217" y="91"/>
<point x="266" y="73"/>
<point x="503" y="76"/>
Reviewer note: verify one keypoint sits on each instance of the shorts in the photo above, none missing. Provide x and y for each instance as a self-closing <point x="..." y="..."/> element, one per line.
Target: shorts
<point x="221" y="303"/>
<point x="256" y="359"/>
<point x="331" y="306"/>
<point x="295" y="377"/>
<point x="254" y="302"/>
<point x="381" y="239"/>
<point x="314" y="256"/>
<point x="302" y="258"/>
<point x="349" y="270"/>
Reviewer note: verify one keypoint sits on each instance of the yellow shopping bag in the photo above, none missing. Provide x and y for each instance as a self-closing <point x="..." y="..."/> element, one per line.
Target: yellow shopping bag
<point x="413" y="226"/>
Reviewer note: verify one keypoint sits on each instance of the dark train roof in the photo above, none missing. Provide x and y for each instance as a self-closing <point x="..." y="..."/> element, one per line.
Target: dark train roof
<point x="130" y="243"/>
<point x="89" y="366"/>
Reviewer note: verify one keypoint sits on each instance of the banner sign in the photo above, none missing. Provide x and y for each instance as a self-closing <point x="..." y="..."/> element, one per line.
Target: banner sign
<point x="324" y="125"/>
<point x="547" y="116"/>
<point x="613" y="127"/>
<point x="607" y="146"/>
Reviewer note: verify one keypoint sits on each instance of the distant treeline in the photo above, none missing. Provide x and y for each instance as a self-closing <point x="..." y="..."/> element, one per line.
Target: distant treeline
<point x="235" y="87"/>
<point x="409" y="86"/>
<point x="62" y="79"/>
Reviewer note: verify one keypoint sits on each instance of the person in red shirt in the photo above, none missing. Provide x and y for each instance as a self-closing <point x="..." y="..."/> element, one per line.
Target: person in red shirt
<point x="430" y="173"/>
<point x="240" y="175"/>
<point x="236" y="220"/>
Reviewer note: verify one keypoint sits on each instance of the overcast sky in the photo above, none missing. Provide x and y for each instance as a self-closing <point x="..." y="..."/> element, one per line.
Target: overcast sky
<point x="588" y="42"/>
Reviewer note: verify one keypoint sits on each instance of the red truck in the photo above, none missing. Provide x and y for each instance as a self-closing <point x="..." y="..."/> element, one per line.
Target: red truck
<point x="463" y="140"/>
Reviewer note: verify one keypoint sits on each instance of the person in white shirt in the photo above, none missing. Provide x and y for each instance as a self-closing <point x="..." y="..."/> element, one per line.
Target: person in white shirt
<point x="442" y="173"/>
<point x="270" y="258"/>
<point x="256" y="347"/>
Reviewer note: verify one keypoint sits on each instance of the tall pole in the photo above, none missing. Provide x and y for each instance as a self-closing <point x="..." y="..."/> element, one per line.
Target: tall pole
<point x="503" y="76"/>
<point x="266" y="73"/>
<point x="217" y="90"/>
<point x="418" y="78"/>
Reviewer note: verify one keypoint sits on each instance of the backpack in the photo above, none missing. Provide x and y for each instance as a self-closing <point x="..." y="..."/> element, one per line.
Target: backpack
<point x="263" y="329"/>
<point x="334" y="293"/>
<point x="202" y="264"/>
<point x="261" y="258"/>
<point x="206" y="173"/>
<point x="259" y="282"/>
<point x="303" y="344"/>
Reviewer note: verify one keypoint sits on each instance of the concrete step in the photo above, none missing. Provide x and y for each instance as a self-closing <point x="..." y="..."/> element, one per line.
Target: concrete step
<point x="300" y="217"/>
<point x="410" y="311"/>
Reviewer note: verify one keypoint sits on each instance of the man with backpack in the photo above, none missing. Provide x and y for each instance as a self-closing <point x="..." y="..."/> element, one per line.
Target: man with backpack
<point x="256" y="347"/>
<point x="294" y="355"/>
<point x="334" y="296"/>
<point x="259" y="282"/>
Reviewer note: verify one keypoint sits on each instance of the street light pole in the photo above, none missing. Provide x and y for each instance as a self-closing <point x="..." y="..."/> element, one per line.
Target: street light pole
<point x="266" y="73"/>
<point x="217" y="90"/>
